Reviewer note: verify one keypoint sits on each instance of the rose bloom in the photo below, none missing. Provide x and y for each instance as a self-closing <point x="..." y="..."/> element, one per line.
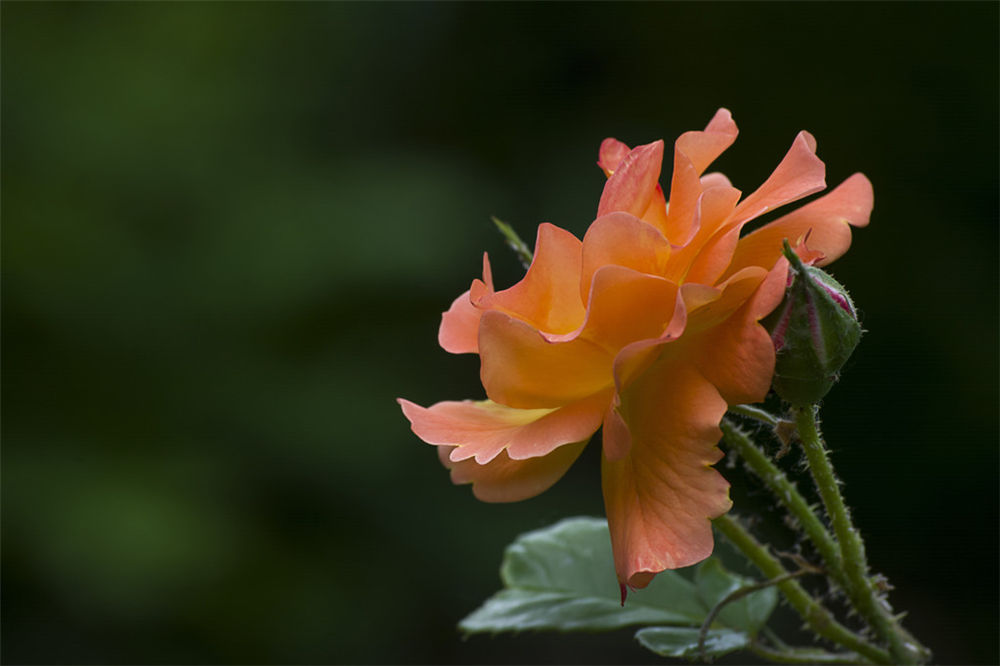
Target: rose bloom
<point x="647" y="327"/>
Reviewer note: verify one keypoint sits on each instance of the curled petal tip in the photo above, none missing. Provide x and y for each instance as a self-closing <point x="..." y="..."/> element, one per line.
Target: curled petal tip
<point x="624" y="591"/>
<point x="809" y="139"/>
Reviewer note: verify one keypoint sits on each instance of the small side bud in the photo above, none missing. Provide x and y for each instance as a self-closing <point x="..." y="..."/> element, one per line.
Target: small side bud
<point x="815" y="331"/>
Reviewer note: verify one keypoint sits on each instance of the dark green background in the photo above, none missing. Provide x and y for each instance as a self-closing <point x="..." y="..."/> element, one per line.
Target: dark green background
<point x="228" y="233"/>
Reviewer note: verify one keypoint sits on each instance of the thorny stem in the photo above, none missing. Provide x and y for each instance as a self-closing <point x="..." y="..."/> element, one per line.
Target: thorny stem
<point x="903" y="647"/>
<point x="786" y="492"/>
<point x="816" y="616"/>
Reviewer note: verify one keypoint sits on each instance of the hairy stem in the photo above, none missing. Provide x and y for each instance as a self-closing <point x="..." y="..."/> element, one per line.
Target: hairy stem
<point x="755" y="413"/>
<point x="803" y="655"/>
<point x="815" y="615"/>
<point x="904" y="648"/>
<point x="788" y="495"/>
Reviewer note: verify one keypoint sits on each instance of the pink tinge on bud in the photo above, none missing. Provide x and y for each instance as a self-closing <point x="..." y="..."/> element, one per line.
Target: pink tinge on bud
<point x="780" y="328"/>
<point x="839" y="298"/>
<point x="624" y="591"/>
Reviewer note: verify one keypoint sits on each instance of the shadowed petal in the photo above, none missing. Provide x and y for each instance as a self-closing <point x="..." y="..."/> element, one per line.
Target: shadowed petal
<point x="626" y="306"/>
<point x="615" y="433"/>
<point x="459" y="332"/>
<point x="827" y="220"/>
<point x="481" y="430"/>
<point x="706" y="310"/>
<point x="737" y="355"/>
<point x="662" y="494"/>
<point x="520" y="368"/>
<point x="506" y="480"/>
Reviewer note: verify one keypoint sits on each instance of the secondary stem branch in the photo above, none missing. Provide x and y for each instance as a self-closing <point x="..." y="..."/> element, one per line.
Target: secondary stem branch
<point x="818" y="618"/>
<point x="786" y="492"/>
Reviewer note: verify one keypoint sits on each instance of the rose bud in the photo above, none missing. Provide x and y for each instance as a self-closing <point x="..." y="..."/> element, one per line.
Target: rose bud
<point x="815" y="331"/>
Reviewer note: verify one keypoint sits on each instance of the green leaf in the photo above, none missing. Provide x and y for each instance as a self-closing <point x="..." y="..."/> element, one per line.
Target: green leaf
<point x="683" y="642"/>
<point x="562" y="578"/>
<point x="748" y="613"/>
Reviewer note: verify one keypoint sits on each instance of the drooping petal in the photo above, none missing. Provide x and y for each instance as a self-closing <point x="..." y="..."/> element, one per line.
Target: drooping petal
<point x="482" y="429"/>
<point x="693" y="153"/>
<point x="799" y="174"/>
<point x="633" y="183"/>
<point x="635" y="357"/>
<point x="662" y="494"/>
<point x="827" y="221"/>
<point x="459" y="331"/>
<point x="506" y="480"/>
<point x="520" y="368"/>
<point x="621" y="239"/>
<point x="548" y="296"/>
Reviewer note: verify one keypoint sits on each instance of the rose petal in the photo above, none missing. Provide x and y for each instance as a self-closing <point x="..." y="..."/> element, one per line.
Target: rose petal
<point x="633" y="183"/>
<point x="661" y="496"/>
<point x="617" y="440"/>
<point x="737" y="355"/>
<point x="520" y="368"/>
<point x="705" y="311"/>
<point x="548" y="296"/>
<point x="827" y="221"/>
<point x="799" y="174"/>
<point x="610" y="155"/>
<point x="706" y="256"/>
<point x="693" y="153"/>
<point x="506" y="480"/>
<point x="483" y="429"/>
<point x="624" y="306"/>
<point x="622" y="239"/>
<point x="714" y="179"/>
<point x="459" y="331"/>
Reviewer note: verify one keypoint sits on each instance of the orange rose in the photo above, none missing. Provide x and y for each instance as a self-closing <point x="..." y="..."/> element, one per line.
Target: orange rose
<point x="649" y="327"/>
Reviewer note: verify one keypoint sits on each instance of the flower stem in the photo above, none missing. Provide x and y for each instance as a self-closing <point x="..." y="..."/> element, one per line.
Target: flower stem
<point x="802" y="655"/>
<point x="903" y="647"/>
<point x="818" y="618"/>
<point x="755" y="413"/>
<point x="786" y="492"/>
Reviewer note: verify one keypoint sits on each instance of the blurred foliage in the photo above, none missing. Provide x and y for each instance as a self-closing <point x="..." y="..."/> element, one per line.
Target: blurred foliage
<point x="228" y="230"/>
